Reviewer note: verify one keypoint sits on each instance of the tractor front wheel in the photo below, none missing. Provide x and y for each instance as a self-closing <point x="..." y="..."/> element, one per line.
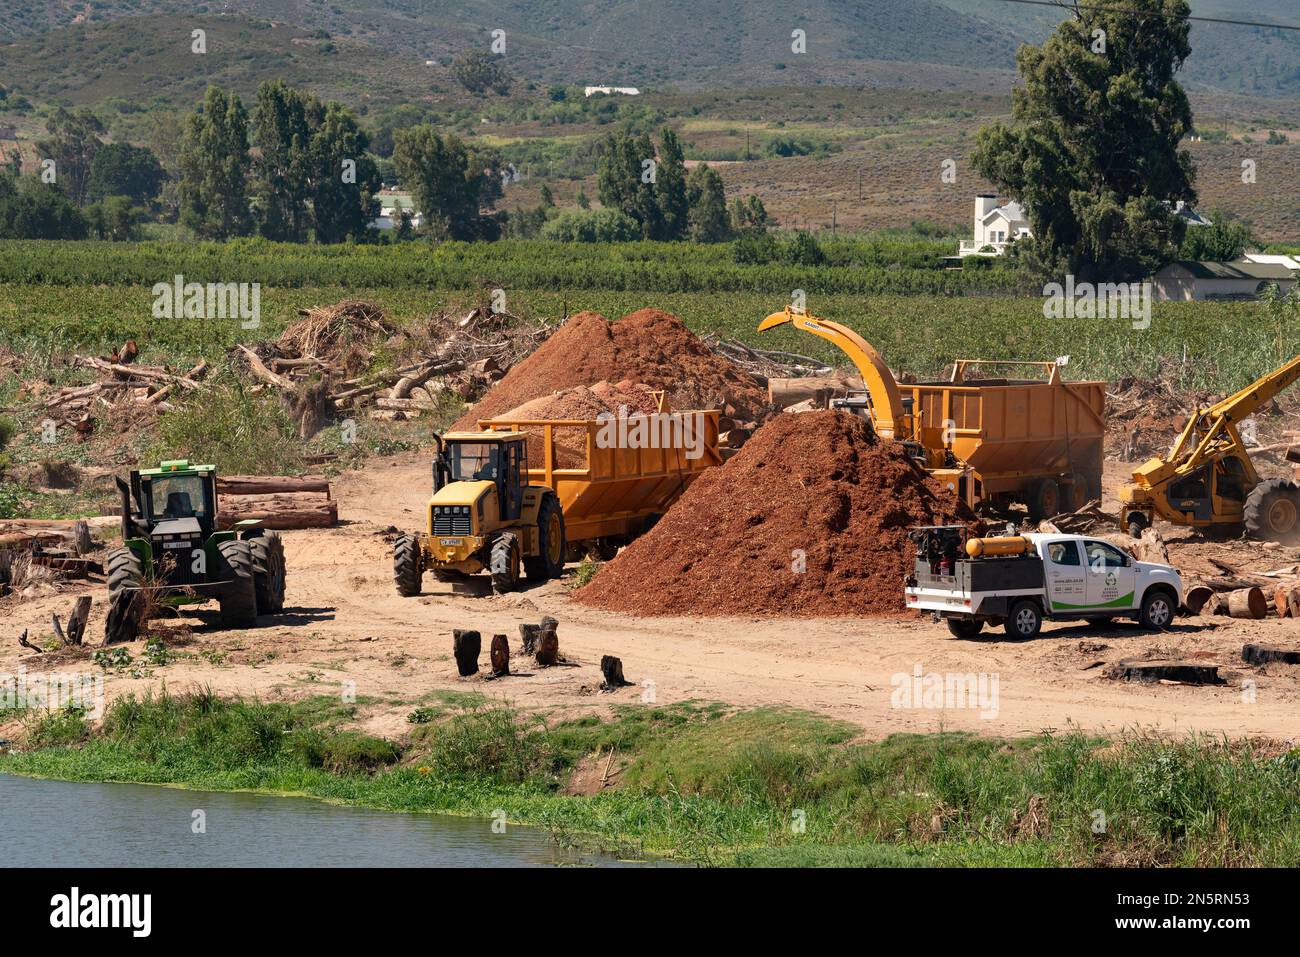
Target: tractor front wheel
<point x="504" y="563"/>
<point x="551" y="546"/>
<point x="268" y="571"/>
<point x="406" y="565"/>
<point x="125" y="578"/>
<point x="238" y="596"/>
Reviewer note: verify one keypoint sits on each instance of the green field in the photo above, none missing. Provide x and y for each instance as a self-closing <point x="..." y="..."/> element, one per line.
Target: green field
<point x="57" y="298"/>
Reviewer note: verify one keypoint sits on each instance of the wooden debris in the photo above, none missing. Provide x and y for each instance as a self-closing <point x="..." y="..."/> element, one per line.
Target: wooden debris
<point x="465" y="648"/>
<point x="1263" y="654"/>
<point x="279" y="502"/>
<point x="77" y="620"/>
<point x="1197" y="597"/>
<point x="1159" y="670"/>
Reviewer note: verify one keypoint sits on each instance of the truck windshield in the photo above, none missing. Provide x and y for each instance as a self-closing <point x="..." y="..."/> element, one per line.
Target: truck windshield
<point x="177" y="496"/>
<point x="474" y="461"/>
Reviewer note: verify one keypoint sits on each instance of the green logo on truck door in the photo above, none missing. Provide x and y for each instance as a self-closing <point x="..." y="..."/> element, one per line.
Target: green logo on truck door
<point x="1123" y="601"/>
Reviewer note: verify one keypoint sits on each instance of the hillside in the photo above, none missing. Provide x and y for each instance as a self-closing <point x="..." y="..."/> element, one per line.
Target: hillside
<point x="932" y="44"/>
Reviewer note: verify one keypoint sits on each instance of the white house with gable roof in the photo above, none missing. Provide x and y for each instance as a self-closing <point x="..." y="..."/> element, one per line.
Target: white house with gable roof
<point x="996" y="227"/>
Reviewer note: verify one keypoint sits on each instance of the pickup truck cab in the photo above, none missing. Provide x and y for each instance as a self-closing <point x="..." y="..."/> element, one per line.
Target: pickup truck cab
<point x="1019" y="580"/>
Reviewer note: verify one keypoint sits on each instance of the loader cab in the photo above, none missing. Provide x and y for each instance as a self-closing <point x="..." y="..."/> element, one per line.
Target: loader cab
<point x="1213" y="492"/>
<point x="497" y="457"/>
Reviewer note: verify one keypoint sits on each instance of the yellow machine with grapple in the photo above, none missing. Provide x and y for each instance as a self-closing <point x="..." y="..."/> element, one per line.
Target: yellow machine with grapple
<point x="1208" y="480"/>
<point x="484" y="516"/>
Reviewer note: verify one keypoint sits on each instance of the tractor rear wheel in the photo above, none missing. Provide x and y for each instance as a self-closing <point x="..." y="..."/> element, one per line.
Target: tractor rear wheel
<point x="504" y="563"/>
<point x="268" y="572"/>
<point x="125" y="577"/>
<point x="238" y="595"/>
<point x="1272" y="511"/>
<point x="406" y="566"/>
<point x="551" y="546"/>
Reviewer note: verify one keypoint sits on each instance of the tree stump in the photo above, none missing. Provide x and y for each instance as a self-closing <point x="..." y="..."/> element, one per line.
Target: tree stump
<point x="78" y="619"/>
<point x="548" y="643"/>
<point x="529" y="634"/>
<point x="1262" y="654"/>
<point x="612" y="669"/>
<point x="1247" y="603"/>
<point x="500" y="656"/>
<point x="1151" y="547"/>
<point x="1183" y="672"/>
<point x="466" y="646"/>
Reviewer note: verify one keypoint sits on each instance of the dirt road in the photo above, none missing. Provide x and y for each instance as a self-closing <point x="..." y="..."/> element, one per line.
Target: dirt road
<point x="344" y="623"/>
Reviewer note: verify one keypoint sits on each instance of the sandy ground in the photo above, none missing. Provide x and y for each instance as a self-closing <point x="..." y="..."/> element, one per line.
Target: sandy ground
<point x="345" y="623"/>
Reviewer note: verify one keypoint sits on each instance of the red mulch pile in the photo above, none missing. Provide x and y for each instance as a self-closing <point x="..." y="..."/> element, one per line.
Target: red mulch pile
<point x="817" y="481"/>
<point x="580" y="402"/>
<point x="646" y="346"/>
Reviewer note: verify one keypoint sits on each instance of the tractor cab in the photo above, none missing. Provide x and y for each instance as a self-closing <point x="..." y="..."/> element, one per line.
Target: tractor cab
<point x="174" y="505"/>
<point x="500" y="458"/>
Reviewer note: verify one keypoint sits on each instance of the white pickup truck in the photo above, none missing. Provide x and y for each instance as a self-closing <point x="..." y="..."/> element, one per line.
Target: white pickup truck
<point x="1018" y="580"/>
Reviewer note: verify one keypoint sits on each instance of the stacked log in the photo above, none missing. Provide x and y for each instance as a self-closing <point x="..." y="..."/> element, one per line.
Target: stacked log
<point x="278" y="502"/>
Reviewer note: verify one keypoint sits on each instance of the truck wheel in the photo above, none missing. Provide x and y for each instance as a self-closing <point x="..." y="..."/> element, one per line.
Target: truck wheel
<point x="1137" y="522"/>
<point x="406" y="565"/>
<point x="238" y="595"/>
<point x="1081" y="492"/>
<point x="1157" y="610"/>
<point x="1044" y="500"/>
<point x="1024" y="620"/>
<point x="964" y="627"/>
<point x="504" y="563"/>
<point x="124" y="598"/>
<point x="268" y="572"/>
<point x="1272" y="509"/>
<point x="551" y="544"/>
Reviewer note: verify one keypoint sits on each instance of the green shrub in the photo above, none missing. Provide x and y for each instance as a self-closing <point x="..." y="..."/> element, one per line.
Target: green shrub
<point x="231" y="428"/>
<point x="591" y="226"/>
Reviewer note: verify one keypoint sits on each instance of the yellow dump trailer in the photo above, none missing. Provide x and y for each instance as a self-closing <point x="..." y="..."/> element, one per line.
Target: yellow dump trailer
<point x="505" y="502"/>
<point x="616" y="492"/>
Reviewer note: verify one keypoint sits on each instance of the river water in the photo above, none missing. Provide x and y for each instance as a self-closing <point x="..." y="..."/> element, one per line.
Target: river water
<point x="76" y="824"/>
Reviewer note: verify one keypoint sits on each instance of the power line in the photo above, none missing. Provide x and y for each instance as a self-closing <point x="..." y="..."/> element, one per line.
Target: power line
<point x="1108" y="8"/>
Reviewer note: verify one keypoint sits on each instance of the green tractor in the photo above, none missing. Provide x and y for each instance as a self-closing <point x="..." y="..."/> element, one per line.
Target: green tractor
<point x="173" y="552"/>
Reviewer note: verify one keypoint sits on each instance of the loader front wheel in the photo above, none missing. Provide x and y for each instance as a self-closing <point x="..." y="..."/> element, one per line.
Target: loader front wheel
<point x="268" y="572"/>
<point x="504" y="563"/>
<point x="125" y="599"/>
<point x="238" y="596"/>
<point x="551" y="544"/>
<point x="406" y="566"/>
<point x="1272" y="511"/>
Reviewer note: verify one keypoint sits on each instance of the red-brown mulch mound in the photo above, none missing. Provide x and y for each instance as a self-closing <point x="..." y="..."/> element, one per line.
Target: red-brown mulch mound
<point x="819" y="482"/>
<point x="647" y="346"/>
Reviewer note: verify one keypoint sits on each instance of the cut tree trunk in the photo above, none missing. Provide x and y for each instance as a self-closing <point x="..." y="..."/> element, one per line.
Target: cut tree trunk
<point x="280" y="514"/>
<point x="271" y="484"/>
<point x="1263" y="654"/>
<point x="548" y="643"/>
<point x="1197" y="598"/>
<point x="1247" y="603"/>
<point x="612" y="669"/>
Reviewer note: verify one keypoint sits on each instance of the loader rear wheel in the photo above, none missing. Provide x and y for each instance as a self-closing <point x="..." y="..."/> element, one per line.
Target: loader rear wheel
<point x="1044" y="500"/>
<point x="406" y="566"/>
<point x="238" y="596"/>
<point x="504" y="563"/>
<point x="551" y="545"/>
<point x="125" y="576"/>
<point x="1272" y="511"/>
<point x="268" y="572"/>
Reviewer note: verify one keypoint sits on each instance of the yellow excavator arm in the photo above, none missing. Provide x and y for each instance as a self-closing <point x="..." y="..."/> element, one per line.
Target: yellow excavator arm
<point x="887" y="412"/>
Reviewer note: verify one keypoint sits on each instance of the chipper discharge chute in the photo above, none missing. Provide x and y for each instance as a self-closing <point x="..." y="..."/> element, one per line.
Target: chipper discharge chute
<point x="994" y="441"/>
<point x="173" y="552"/>
<point x="494" y="511"/>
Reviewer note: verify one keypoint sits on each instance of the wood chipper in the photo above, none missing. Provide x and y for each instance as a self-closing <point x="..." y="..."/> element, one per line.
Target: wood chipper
<point x="995" y="441"/>
<point x="173" y="550"/>
<point x="492" y="510"/>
